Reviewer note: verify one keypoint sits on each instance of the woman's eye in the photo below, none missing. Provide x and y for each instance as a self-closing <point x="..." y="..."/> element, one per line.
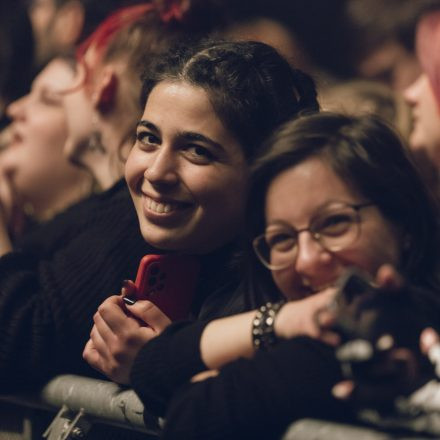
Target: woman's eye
<point x="280" y="242"/>
<point x="199" y="153"/>
<point x="50" y="99"/>
<point x="147" y="138"/>
<point x="335" y="224"/>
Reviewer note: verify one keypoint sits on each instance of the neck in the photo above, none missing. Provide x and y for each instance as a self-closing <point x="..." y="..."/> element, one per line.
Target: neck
<point x="105" y="160"/>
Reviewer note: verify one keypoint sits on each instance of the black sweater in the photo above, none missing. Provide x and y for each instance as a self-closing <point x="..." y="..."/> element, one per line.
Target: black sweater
<point x="51" y="286"/>
<point x="256" y="398"/>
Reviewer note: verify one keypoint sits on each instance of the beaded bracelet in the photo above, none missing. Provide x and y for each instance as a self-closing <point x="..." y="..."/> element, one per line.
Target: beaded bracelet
<point x="263" y="332"/>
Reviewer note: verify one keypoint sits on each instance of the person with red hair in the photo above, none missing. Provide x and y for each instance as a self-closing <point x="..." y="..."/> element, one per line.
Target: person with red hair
<point x="423" y="95"/>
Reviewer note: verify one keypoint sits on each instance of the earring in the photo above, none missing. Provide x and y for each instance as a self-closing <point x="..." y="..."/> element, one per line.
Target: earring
<point x="95" y="140"/>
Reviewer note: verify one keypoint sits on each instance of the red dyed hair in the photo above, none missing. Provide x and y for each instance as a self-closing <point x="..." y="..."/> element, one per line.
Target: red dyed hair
<point x="100" y="39"/>
<point x="428" y="49"/>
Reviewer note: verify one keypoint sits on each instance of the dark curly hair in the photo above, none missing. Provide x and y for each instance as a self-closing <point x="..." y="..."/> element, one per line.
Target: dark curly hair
<point x="252" y="88"/>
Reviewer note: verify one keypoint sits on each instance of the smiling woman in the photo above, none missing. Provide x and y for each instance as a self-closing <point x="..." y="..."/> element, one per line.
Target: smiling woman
<point x="328" y="193"/>
<point x="208" y="107"/>
<point x="186" y="172"/>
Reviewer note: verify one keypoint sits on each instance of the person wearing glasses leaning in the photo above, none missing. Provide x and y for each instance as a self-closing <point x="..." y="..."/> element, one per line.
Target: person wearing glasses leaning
<point x="330" y="192"/>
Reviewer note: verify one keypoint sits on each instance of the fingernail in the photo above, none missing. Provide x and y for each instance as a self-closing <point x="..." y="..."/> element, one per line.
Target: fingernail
<point x="129" y="300"/>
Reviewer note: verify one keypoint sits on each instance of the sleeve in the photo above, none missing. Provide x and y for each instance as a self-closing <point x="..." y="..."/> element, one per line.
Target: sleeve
<point x="260" y="397"/>
<point x="47" y="304"/>
<point x="166" y="363"/>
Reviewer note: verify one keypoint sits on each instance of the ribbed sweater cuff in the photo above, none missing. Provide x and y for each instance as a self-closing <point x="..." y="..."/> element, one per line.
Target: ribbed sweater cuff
<point x="167" y="362"/>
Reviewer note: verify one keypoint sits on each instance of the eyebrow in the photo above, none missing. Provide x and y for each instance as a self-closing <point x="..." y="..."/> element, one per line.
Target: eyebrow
<point x="187" y="135"/>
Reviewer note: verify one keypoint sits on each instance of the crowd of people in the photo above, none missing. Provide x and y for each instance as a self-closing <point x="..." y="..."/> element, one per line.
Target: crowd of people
<point x="212" y="131"/>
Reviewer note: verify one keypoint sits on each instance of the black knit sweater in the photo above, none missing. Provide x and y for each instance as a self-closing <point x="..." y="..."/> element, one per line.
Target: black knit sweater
<point x="256" y="398"/>
<point x="51" y="286"/>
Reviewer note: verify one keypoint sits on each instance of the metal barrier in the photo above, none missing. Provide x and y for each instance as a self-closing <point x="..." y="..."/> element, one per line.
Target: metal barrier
<point x="81" y="402"/>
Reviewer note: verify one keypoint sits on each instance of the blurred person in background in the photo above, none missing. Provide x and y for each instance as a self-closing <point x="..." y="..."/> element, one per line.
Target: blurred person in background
<point x="423" y="95"/>
<point x="382" y="36"/>
<point x="58" y="25"/>
<point x="359" y="97"/>
<point x="39" y="181"/>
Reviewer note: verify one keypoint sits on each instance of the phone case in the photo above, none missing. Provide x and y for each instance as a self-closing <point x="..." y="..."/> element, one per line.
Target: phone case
<point x="168" y="281"/>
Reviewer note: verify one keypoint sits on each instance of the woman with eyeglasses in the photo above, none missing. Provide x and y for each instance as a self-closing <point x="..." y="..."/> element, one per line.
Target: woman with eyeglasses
<point x="329" y="193"/>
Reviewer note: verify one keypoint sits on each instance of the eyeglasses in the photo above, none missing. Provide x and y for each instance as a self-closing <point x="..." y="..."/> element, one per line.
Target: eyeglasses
<point x="334" y="227"/>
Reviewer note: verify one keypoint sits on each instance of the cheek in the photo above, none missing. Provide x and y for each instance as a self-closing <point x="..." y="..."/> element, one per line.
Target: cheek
<point x="54" y="134"/>
<point x="283" y="280"/>
<point x="373" y="249"/>
<point x="134" y="169"/>
<point x="219" y="194"/>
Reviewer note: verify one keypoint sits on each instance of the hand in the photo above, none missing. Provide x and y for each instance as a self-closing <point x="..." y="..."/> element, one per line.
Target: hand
<point x="311" y="316"/>
<point x="389" y="370"/>
<point x="119" y="333"/>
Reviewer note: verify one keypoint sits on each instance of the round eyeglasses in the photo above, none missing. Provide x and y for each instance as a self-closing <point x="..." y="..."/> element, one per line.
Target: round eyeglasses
<point x="334" y="227"/>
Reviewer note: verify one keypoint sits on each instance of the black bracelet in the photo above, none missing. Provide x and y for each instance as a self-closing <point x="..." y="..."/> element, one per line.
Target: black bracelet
<point x="263" y="332"/>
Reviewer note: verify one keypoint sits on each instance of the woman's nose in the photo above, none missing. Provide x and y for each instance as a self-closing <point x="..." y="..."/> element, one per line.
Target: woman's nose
<point x="15" y="109"/>
<point x="410" y="94"/>
<point x="162" y="167"/>
<point x="311" y="256"/>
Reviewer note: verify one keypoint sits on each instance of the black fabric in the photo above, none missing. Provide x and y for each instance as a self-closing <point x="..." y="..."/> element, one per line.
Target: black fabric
<point x="51" y="286"/>
<point x="172" y="358"/>
<point x="255" y="398"/>
<point x="258" y="398"/>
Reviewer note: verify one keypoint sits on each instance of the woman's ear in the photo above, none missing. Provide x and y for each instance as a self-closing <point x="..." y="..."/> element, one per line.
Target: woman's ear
<point x="105" y="91"/>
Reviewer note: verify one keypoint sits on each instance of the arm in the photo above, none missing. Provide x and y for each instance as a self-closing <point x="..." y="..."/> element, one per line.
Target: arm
<point x="259" y="397"/>
<point x="227" y="339"/>
<point x="185" y="349"/>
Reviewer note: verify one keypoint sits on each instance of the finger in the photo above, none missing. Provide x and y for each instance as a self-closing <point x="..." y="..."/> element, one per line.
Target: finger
<point x="149" y="313"/>
<point x="343" y="390"/>
<point x="324" y="317"/>
<point x="115" y="318"/>
<point x="330" y="338"/>
<point x="387" y="277"/>
<point x="430" y="345"/>
<point x="92" y="356"/>
<point x="428" y="339"/>
<point x="128" y="288"/>
<point x="101" y="345"/>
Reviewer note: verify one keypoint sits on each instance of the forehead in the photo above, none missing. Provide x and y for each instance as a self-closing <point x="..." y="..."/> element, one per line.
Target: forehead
<point x="181" y="107"/>
<point x="57" y="75"/>
<point x="298" y="192"/>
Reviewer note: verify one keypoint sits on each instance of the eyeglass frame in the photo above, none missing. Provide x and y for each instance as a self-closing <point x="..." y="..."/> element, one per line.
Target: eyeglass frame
<point x="315" y="235"/>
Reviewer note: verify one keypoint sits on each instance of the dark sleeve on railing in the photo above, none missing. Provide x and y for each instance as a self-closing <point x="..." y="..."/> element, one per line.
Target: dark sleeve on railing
<point x="260" y="397"/>
<point x="47" y="300"/>
<point x="166" y="363"/>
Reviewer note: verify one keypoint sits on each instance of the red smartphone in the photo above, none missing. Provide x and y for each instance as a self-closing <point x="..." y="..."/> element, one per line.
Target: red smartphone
<point x="168" y="281"/>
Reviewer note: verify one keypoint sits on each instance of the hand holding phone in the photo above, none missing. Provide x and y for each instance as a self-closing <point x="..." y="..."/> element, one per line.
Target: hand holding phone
<point x="168" y="281"/>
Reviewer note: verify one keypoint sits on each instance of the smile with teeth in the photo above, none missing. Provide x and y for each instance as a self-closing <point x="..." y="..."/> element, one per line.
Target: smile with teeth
<point x="161" y="207"/>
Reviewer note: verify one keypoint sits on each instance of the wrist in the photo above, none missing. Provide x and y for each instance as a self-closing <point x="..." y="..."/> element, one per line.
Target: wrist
<point x="264" y="335"/>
